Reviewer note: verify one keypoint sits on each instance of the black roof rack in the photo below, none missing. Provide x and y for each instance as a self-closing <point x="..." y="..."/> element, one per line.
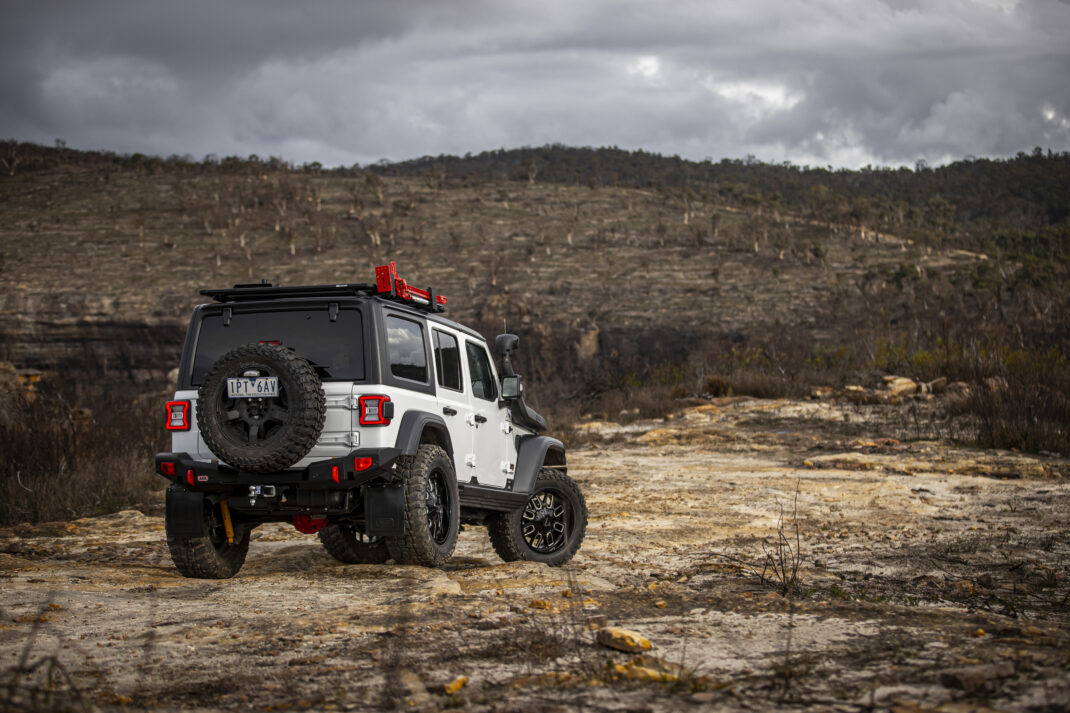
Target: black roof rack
<point x="387" y="286"/>
<point x="268" y="291"/>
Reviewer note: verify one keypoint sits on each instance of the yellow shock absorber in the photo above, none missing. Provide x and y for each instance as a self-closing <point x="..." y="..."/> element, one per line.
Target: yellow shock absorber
<point x="227" y="524"/>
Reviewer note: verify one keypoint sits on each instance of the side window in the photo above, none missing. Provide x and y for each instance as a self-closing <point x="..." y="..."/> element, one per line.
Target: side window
<point x="483" y="385"/>
<point x="405" y="342"/>
<point x="447" y="360"/>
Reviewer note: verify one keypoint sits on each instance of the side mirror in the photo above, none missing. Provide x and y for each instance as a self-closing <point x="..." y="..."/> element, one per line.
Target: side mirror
<point x="511" y="387"/>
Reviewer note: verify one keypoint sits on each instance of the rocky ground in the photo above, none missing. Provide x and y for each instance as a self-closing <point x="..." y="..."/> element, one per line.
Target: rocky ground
<point x="776" y="555"/>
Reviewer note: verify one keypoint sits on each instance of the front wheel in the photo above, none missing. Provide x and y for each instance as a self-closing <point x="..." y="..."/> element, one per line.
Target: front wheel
<point x="432" y="510"/>
<point x="211" y="556"/>
<point x="550" y="526"/>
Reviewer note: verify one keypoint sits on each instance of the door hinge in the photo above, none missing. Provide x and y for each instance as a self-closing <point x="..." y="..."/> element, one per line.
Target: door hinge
<point x="507" y="428"/>
<point x="350" y="439"/>
<point x="470" y="460"/>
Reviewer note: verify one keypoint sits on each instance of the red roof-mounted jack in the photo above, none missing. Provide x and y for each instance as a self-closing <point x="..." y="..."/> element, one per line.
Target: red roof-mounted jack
<point x="387" y="282"/>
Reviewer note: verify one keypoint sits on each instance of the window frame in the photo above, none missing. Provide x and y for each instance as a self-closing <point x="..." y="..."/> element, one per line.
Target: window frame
<point x="437" y="333"/>
<point x="386" y="377"/>
<point x="482" y="348"/>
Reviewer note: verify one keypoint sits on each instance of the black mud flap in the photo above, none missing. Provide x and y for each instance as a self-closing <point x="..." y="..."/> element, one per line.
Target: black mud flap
<point x="384" y="511"/>
<point x="185" y="514"/>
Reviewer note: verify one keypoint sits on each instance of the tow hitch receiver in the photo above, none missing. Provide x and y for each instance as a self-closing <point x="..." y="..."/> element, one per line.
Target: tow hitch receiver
<point x="260" y="491"/>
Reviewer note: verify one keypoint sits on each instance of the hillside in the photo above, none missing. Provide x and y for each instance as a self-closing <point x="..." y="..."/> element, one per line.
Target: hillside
<point x="99" y="249"/>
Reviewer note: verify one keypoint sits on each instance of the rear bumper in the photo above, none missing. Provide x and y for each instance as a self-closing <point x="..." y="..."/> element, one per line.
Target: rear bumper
<point x="327" y="487"/>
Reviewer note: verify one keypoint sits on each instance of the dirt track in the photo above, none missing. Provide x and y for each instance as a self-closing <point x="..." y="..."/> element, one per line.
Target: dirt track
<point x="931" y="576"/>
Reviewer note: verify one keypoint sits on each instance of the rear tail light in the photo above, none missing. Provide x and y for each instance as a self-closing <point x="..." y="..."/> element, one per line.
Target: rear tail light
<point x="360" y="464"/>
<point x="167" y="468"/>
<point x="178" y="415"/>
<point x="375" y="410"/>
<point x="335" y="476"/>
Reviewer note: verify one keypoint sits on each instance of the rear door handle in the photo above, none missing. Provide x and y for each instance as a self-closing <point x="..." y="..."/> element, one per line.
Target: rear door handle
<point x="481" y="419"/>
<point x="449" y="411"/>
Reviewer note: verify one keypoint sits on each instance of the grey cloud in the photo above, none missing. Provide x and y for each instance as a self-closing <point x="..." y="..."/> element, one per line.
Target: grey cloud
<point x="338" y="82"/>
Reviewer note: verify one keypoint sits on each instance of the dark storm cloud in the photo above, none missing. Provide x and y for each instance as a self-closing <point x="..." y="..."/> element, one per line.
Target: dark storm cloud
<point x="882" y="81"/>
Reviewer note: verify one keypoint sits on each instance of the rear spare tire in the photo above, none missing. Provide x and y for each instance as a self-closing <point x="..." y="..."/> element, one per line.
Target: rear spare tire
<point x="262" y="434"/>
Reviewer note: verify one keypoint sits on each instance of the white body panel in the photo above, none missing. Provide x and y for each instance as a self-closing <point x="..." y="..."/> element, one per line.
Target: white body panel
<point x="494" y="450"/>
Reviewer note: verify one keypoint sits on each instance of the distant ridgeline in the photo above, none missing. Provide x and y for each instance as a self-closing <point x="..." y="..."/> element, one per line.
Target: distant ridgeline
<point x="987" y="195"/>
<point x="1020" y="204"/>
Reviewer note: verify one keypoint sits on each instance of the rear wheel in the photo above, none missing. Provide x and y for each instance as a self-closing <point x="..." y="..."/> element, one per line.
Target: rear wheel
<point x="348" y="544"/>
<point x="432" y="510"/>
<point x="550" y="526"/>
<point x="211" y="556"/>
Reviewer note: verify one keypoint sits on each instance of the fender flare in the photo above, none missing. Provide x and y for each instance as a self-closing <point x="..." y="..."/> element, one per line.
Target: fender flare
<point x="531" y="455"/>
<point x="412" y="428"/>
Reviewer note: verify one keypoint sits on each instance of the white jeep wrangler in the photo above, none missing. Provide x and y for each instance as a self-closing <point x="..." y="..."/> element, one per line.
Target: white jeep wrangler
<point x="357" y="412"/>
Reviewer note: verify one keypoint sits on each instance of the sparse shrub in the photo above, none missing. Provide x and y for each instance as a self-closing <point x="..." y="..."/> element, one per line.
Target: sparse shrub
<point x="1021" y="399"/>
<point x="759" y="384"/>
<point x="61" y="460"/>
<point x="717" y="385"/>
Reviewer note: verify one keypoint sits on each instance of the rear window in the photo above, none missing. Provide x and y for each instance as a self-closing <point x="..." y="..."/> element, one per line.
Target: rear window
<point x="335" y="349"/>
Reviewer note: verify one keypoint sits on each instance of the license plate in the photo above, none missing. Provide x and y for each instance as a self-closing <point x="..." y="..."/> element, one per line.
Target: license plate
<point x="252" y="387"/>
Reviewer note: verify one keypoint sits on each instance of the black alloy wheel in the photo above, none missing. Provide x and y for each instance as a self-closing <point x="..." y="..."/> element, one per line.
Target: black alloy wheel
<point x="438" y="507"/>
<point x="548" y="528"/>
<point x="546" y="522"/>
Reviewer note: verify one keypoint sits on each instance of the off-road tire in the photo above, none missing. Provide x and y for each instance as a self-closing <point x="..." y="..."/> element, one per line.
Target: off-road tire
<point x="301" y="403"/>
<point x="506" y="528"/>
<point x="345" y="544"/>
<point x="420" y="545"/>
<point x="210" y="557"/>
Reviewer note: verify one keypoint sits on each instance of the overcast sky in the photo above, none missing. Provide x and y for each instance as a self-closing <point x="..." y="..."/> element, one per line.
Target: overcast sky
<point x="841" y="82"/>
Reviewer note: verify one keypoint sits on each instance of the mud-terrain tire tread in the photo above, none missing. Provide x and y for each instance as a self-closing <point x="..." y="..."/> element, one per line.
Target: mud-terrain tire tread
<point x="198" y="558"/>
<point x="417" y="546"/>
<point x="308" y="409"/>
<point x="341" y="542"/>
<point x="504" y="527"/>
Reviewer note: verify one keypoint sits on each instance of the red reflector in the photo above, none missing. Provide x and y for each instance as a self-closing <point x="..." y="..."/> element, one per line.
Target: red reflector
<point x="334" y="473"/>
<point x="178" y="415"/>
<point x="167" y="468"/>
<point x="189" y="477"/>
<point x="360" y="464"/>
<point x="372" y="410"/>
<point x="276" y="342"/>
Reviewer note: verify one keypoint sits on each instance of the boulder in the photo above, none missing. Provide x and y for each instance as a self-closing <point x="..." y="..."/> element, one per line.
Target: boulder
<point x="623" y="640"/>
